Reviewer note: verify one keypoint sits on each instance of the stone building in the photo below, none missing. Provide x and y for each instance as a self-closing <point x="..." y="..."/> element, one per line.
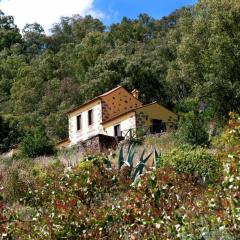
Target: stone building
<point x="118" y="114"/>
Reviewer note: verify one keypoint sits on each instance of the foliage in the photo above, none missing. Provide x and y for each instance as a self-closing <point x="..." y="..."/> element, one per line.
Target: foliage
<point x="42" y="77"/>
<point x="9" y="33"/>
<point x="197" y="162"/>
<point x="9" y="134"/>
<point x="206" y="64"/>
<point x="186" y="59"/>
<point x="192" y="129"/>
<point x="33" y="35"/>
<point x="125" y="166"/>
<point x="187" y="105"/>
<point x="93" y="201"/>
<point x="3" y="134"/>
<point x="36" y="143"/>
<point x="17" y="179"/>
<point x="230" y="157"/>
<point x="165" y="143"/>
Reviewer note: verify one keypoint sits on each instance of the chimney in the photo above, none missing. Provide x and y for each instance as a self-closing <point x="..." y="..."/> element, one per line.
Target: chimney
<point x="136" y="93"/>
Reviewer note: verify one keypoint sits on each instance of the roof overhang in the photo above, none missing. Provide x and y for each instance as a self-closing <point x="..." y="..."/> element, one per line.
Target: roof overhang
<point x="83" y="105"/>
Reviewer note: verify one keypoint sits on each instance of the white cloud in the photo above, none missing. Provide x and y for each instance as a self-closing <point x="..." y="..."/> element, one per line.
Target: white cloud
<point x="46" y="12"/>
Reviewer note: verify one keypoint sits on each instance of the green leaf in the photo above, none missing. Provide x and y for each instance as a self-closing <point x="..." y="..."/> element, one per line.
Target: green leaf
<point x="121" y="158"/>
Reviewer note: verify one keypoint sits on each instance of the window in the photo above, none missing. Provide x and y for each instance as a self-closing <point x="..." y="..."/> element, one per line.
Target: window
<point x="79" y="122"/>
<point x="90" y="117"/>
<point x="117" y="131"/>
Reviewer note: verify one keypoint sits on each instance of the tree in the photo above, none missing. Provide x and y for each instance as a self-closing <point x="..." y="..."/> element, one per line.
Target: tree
<point x="82" y="26"/>
<point x="73" y="30"/>
<point x="3" y="134"/>
<point x="207" y="55"/>
<point x="36" y="143"/>
<point x="61" y="34"/>
<point x="9" y="134"/>
<point x="192" y="129"/>
<point x="9" y="66"/>
<point x="9" y="33"/>
<point x="135" y="65"/>
<point x="33" y="36"/>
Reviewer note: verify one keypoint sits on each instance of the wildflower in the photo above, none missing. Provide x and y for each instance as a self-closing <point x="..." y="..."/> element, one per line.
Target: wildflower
<point x="222" y="228"/>
<point x="158" y="225"/>
<point x="177" y="226"/>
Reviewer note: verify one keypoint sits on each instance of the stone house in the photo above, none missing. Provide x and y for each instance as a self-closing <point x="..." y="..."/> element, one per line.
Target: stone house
<point x="117" y="114"/>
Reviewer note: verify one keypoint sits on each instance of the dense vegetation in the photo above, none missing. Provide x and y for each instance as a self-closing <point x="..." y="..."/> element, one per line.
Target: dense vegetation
<point x="181" y="198"/>
<point x="188" y="61"/>
<point x="190" y="57"/>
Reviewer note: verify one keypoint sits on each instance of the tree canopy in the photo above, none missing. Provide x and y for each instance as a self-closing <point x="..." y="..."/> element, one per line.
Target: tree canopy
<point x="191" y="54"/>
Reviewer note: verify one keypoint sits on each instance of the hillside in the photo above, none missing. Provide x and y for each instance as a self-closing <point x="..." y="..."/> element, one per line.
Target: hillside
<point x="185" y="61"/>
<point x="181" y="184"/>
<point x="189" y="193"/>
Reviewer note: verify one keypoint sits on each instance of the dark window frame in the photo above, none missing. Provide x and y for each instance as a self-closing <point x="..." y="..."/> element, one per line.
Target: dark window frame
<point x="79" y="122"/>
<point x="90" y="117"/>
<point x="117" y="129"/>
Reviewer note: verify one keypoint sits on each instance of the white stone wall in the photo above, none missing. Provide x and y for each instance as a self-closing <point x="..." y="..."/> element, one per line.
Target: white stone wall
<point x="86" y="131"/>
<point x="129" y="122"/>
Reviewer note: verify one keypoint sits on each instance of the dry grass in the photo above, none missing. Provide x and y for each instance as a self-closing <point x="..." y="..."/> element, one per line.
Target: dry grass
<point x="163" y="143"/>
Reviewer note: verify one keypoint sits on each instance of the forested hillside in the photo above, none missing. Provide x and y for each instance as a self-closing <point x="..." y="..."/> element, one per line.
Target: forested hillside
<point x="183" y="184"/>
<point x="190" y="58"/>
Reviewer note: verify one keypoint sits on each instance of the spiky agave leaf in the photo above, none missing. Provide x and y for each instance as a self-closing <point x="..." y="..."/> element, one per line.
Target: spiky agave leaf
<point x="130" y="156"/>
<point x="130" y="146"/>
<point x="146" y="158"/>
<point x="144" y="162"/>
<point x="135" y="179"/>
<point x="121" y="158"/>
<point x="142" y="156"/>
<point x="141" y="164"/>
<point x="155" y="159"/>
<point x="137" y="170"/>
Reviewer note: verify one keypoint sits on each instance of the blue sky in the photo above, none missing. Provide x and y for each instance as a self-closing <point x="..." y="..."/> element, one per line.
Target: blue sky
<point x="48" y="12"/>
<point x="116" y="9"/>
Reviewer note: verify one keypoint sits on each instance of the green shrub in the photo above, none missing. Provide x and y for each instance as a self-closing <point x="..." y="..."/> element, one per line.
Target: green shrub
<point x="197" y="162"/>
<point x="9" y="134"/>
<point x="186" y="105"/>
<point x="192" y="129"/>
<point x="17" y="179"/>
<point x="36" y="144"/>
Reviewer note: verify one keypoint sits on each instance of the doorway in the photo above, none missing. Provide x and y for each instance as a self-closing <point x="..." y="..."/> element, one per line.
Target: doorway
<point x="158" y="126"/>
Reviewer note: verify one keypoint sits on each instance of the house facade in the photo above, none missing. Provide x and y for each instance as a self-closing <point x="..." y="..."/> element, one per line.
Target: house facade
<point x="117" y="113"/>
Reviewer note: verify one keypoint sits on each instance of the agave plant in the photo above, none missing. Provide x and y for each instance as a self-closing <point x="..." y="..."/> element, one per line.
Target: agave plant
<point x="140" y="166"/>
<point x="155" y="158"/>
<point x="121" y="158"/>
<point x="126" y="166"/>
<point x="129" y="158"/>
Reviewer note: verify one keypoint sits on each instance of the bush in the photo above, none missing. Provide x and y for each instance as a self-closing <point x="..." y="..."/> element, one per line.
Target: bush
<point x="36" y="144"/>
<point x="17" y="179"/>
<point x="197" y="162"/>
<point x="9" y="134"/>
<point x="186" y="105"/>
<point x="192" y="129"/>
<point x="90" y="200"/>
